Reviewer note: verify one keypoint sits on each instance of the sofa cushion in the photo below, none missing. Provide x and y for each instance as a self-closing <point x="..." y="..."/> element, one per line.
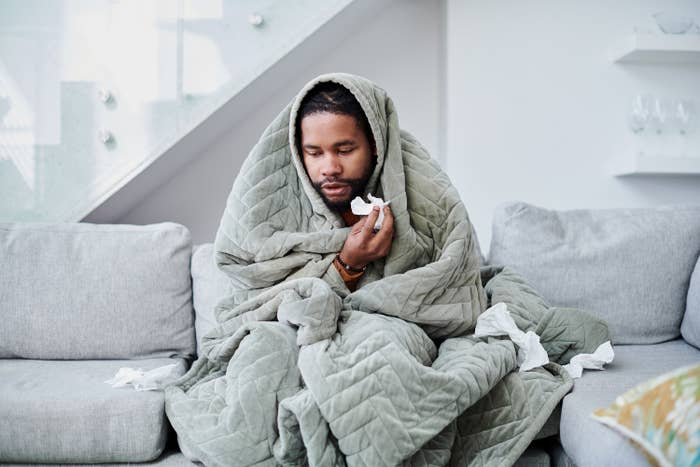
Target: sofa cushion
<point x="209" y="286"/>
<point x="63" y="411"/>
<point x="690" y="327"/>
<point x="630" y="267"/>
<point x="171" y="457"/>
<point x="590" y="443"/>
<point x="85" y="291"/>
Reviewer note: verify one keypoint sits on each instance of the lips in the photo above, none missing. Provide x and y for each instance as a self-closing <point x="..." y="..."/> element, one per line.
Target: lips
<point x="335" y="188"/>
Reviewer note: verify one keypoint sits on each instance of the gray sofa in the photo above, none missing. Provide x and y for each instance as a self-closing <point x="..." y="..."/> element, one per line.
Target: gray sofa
<point x="636" y="268"/>
<point x="103" y="297"/>
<point x="77" y="302"/>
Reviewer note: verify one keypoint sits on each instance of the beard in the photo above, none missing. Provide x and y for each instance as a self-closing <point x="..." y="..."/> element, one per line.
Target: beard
<point x="357" y="187"/>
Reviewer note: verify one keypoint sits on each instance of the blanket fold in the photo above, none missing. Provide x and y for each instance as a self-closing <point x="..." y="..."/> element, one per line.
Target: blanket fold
<point x="301" y="371"/>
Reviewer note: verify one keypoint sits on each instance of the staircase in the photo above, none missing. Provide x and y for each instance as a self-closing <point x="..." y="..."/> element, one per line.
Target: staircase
<point x="102" y="101"/>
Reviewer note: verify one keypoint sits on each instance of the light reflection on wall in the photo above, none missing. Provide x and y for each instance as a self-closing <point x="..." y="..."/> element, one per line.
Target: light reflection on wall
<point x="16" y="130"/>
<point x="167" y="65"/>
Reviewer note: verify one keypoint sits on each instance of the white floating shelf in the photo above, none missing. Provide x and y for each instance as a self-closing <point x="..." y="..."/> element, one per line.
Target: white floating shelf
<point x="642" y="164"/>
<point x="657" y="48"/>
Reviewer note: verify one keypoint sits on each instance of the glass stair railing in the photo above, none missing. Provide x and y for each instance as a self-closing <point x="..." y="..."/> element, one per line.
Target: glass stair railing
<point x="93" y="91"/>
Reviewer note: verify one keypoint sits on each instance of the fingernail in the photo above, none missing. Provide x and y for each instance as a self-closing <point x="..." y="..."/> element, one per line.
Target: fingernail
<point x="376" y="208"/>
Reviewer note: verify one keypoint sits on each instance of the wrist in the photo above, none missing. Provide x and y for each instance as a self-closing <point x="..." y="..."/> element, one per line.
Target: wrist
<point x="349" y="267"/>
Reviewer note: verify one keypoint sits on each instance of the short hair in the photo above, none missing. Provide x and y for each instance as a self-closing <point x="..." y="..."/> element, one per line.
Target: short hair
<point x="334" y="98"/>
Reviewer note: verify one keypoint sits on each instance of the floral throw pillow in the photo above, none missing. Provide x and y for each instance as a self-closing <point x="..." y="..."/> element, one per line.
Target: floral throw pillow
<point x="661" y="416"/>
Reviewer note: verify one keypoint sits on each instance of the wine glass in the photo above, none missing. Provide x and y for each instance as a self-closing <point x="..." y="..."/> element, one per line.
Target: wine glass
<point x="670" y="23"/>
<point x="640" y="111"/>
<point x="682" y="114"/>
<point x="659" y="115"/>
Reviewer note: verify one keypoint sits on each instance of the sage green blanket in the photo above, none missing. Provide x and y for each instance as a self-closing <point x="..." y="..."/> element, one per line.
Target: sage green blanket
<point x="300" y="371"/>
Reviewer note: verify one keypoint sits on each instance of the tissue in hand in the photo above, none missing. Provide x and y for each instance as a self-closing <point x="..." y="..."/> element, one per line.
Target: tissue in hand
<point x="141" y="380"/>
<point x="360" y="208"/>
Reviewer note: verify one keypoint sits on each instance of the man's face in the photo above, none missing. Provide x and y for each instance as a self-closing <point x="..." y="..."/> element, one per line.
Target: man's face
<point x="337" y="155"/>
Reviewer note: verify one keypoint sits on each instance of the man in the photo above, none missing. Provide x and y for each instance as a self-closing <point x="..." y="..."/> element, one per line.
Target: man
<point x="288" y="211"/>
<point x="340" y="345"/>
<point x="339" y="154"/>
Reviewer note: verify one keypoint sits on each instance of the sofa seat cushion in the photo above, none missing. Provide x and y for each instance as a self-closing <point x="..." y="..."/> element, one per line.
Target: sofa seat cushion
<point x="590" y="443"/>
<point x="171" y="457"/>
<point x="62" y="411"/>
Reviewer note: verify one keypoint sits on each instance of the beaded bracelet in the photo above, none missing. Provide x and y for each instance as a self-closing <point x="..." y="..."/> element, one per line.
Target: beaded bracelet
<point x="349" y="268"/>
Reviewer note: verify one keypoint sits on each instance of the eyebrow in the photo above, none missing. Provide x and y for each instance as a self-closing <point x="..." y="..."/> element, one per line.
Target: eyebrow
<point x="347" y="142"/>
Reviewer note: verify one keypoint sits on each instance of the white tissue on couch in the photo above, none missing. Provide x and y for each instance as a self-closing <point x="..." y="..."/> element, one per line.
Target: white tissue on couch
<point x="590" y="361"/>
<point x="496" y="321"/>
<point x="141" y="380"/>
<point x="360" y="208"/>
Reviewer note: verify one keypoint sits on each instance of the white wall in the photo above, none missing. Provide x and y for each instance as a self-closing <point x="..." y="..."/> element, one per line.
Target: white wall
<point x="399" y="45"/>
<point x="535" y="109"/>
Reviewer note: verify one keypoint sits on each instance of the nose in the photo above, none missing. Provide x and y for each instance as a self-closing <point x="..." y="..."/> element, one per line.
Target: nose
<point x="331" y="166"/>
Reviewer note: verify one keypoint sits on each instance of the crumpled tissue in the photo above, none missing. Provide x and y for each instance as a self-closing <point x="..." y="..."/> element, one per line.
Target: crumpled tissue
<point x="360" y="208"/>
<point x="141" y="380"/>
<point x="590" y="361"/>
<point x="496" y="321"/>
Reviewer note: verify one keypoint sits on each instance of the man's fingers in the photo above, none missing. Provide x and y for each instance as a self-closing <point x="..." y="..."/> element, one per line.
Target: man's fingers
<point x="387" y="223"/>
<point x="370" y="220"/>
<point x="357" y="226"/>
<point x="388" y="219"/>
<point x="385" y="234"/>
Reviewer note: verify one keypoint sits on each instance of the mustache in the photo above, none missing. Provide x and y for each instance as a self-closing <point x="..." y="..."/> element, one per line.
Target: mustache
<point x="357" y="185"/>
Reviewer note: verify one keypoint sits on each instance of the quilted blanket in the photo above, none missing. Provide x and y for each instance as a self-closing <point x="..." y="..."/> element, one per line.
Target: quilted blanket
<point x="302" y="371"/>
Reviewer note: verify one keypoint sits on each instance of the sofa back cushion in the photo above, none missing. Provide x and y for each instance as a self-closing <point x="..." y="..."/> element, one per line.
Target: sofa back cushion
<point x="690" y="327"/>
<point x="84" y="291"/>
<point x="209" y="286"/>
<point x="630" y="267"/>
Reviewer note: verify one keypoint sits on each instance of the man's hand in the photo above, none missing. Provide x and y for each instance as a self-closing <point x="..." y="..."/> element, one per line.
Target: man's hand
<point x="363" y="245"/>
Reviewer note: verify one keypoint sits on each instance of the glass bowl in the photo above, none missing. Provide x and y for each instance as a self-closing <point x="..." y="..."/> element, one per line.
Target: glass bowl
<point x="673" y="24"/>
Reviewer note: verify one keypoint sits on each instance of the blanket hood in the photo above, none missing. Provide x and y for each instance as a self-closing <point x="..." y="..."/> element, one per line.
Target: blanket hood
<point x="273" y="208"/>
<point x="380" y="113"/>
